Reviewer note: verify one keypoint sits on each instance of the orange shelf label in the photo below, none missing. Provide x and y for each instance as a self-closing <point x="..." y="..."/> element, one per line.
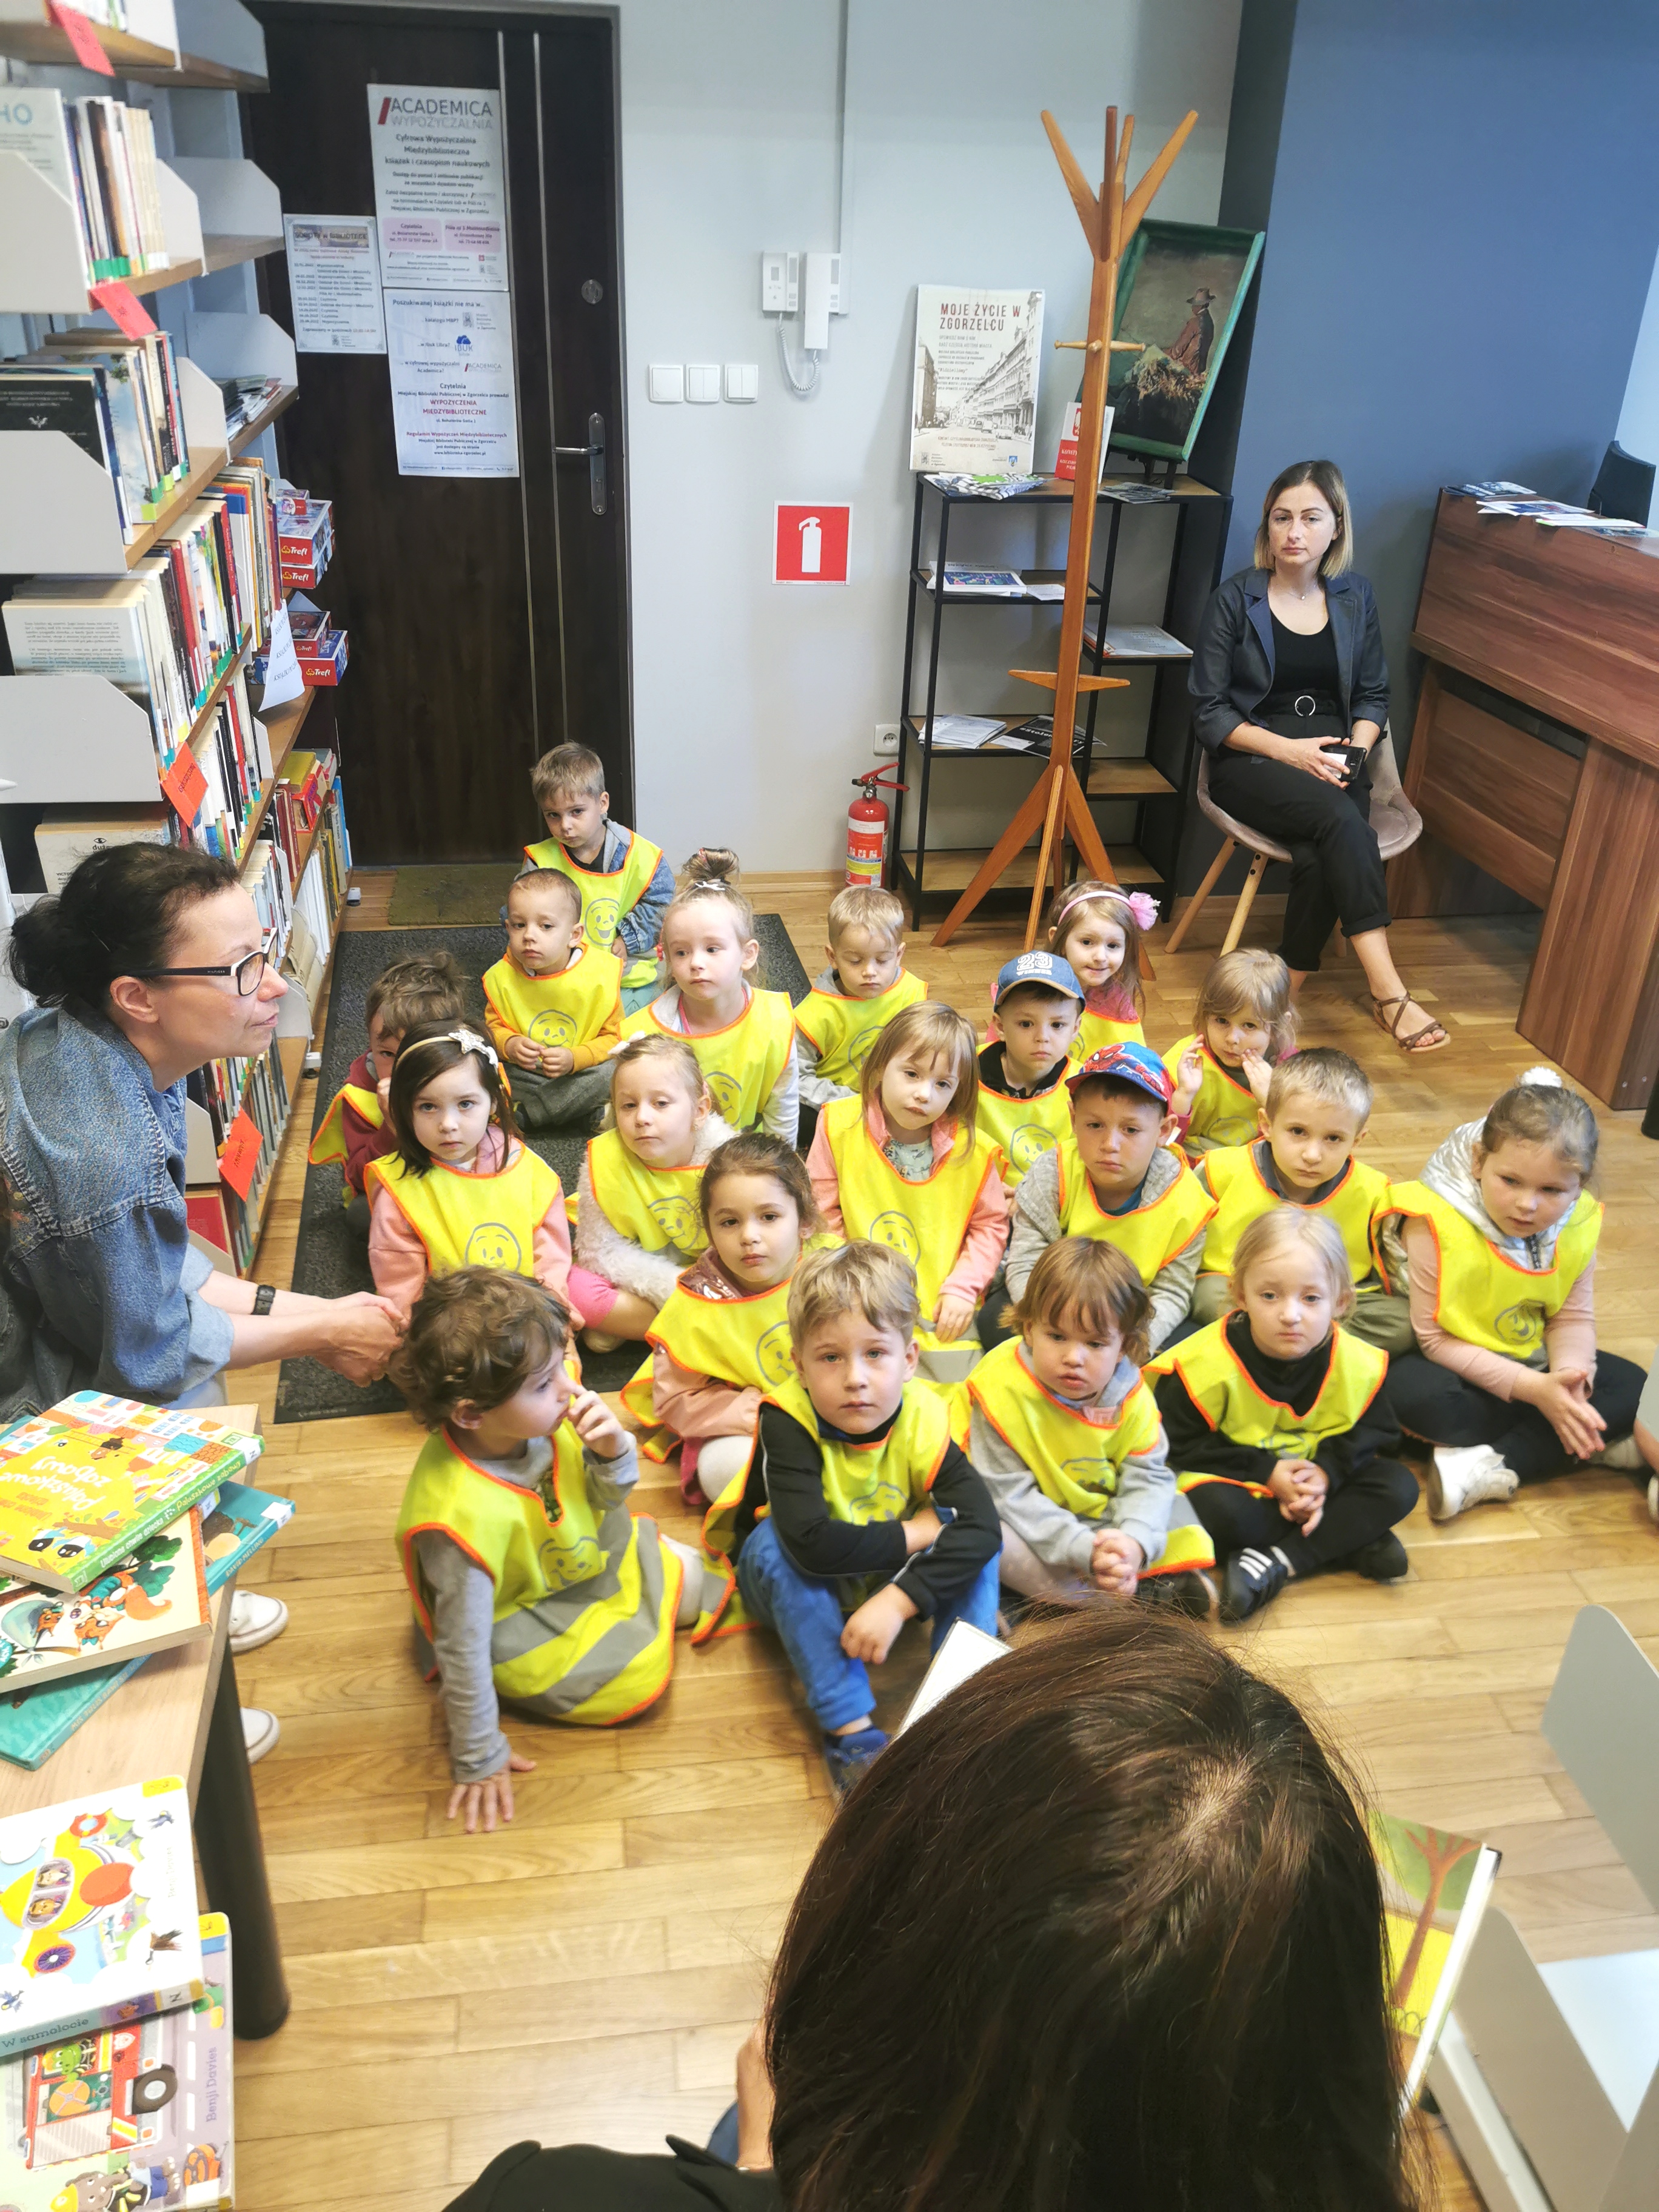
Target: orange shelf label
<point x="126" y="311"/>
<point x="78" y="30"/>
<point x="184" y="784"/>
<point x="241" y="1154"/>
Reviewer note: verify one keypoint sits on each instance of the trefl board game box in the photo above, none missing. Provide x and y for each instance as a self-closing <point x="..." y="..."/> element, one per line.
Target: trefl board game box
<point x="154" y="1598"/>
<point x="97" y="1914"/>
<point x="124" y="2117"/>
<point x="85" y="1483"/>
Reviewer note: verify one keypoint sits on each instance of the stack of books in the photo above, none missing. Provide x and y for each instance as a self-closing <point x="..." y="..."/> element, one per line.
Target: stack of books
<point x="116" y="397"/>
<point x="224" y="1088"/>
<point x="101" y="155"/>
<point x="298" y="801"/>
<point x="268" y="882"/>
<point x="233" y="753"/>
<point x="306" y="534"/>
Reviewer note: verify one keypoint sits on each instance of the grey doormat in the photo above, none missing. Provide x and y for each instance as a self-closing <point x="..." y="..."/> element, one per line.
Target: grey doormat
<point x="331" y="1259"/>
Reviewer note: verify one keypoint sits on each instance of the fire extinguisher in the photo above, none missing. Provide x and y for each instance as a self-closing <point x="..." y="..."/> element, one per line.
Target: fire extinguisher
<point x="866" y="828"/>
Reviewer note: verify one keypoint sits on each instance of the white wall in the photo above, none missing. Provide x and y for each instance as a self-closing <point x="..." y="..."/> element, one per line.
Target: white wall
<point x="755" y="702"/>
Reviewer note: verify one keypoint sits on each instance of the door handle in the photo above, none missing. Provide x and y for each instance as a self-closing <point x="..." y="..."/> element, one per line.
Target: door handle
<point x="594" y="454"/>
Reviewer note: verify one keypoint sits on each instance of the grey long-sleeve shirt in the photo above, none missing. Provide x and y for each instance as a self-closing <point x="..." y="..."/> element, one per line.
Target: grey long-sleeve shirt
<point x="602" y="1248"/>
<point x="464" y="1607"/>
<point x="1062" y="1539"/>
<point x="1036" y="1224"/>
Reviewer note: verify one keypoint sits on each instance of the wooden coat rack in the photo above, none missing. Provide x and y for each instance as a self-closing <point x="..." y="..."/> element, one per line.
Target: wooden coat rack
<point x="1109" y="220"/>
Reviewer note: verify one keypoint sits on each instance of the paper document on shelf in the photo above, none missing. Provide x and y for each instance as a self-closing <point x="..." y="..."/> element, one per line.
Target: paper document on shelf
<point x="283" y="681"/>
<point x="1142" y="642"/>
<point x="438" y="189"/>
<point x="334" y="280"/>
<point x="958" y="1659"/>
<point x="1050" y="594"/>
<point x="451" y="362"/>
<point x="962" y="733"/>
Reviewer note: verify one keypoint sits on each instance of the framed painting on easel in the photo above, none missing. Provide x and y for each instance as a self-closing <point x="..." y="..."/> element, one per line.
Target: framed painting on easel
<point x="1182" y="289"/>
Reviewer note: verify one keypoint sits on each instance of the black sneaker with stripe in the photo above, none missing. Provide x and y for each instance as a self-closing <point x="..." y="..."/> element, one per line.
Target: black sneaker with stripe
<point x="1252" y="1577"/>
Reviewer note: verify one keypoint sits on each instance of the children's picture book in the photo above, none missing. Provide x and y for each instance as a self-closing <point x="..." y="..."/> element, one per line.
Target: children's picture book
<point x="157" y="1597"/>
<point x="97" y="1914"/>
<point x="124" y="2117"/>
<point x="84" y="1484"/>
<point x="1434" y="1888"/>
<point x="35" y="1722"/>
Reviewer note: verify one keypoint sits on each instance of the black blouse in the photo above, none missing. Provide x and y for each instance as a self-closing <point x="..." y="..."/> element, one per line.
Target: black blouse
<point x="1303" y="665"/>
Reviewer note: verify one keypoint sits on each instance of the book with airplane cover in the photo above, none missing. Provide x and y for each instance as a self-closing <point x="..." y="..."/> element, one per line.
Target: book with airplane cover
<point x="135" y="2115"/>
<point x="85" y="1483"/>
<point x="98" y="1915"/>
<point x="154" y="1598"/>
<point x="34" y="1724"/>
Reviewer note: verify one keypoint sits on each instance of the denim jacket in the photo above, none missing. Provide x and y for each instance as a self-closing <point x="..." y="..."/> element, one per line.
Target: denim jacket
<point x="100" y="1277"/>
<point x="1231" y="670"/>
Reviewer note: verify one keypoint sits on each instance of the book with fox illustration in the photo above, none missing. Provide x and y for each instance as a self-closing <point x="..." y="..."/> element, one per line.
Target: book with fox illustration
<point x="1434" y="1888"/>
<point x="84" y="1484"/>
<point x="157" y="1597"/>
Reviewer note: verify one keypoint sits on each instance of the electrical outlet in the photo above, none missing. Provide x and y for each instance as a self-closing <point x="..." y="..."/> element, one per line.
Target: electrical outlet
<point x="887" y="736"/>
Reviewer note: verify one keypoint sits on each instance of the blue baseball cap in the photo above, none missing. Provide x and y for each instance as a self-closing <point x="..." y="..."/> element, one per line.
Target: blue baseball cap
<point x="1037" y="968"/>
<point x="1129" y="1063"/>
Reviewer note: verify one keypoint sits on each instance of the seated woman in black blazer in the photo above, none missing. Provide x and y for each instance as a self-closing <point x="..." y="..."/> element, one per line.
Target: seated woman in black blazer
<point x="1288" y="670"/>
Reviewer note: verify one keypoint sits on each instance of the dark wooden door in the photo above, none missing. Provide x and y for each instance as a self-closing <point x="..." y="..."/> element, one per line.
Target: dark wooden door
<point x="488" y="618"/>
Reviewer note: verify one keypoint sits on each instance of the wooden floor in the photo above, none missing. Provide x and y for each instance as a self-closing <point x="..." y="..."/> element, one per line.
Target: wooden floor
<point x="588" y="1973"/>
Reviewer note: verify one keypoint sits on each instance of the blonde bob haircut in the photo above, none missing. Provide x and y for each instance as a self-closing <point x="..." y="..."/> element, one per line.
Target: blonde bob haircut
<point x="1254" y="982"/>
<point x="653" y="1045"/>
<point x="861" y="1278"/>
<point x="1326" y="478"/>
<point x="867" y="906"/>
<point x="1091" y="1284"/>
<point x="931" y="1027"/>
<point x="1270" y="1234"/>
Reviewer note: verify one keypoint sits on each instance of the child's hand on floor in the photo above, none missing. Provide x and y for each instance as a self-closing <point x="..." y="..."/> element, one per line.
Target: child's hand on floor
<point x="1300" y="1484"/>
<point x="922" y="1529"/>
<point x="491" y="1797"/>
<point x="871" y="1632"/>
<point x="1115" y="1562"/>
<point x="1258" y="1075"/>
<point x="522" y="1052"/>
<point x="557" y="1060"/>
<point x="1562" y="1396"/>
<point x="951" y="1319"/>
<point x="597" y="1425"/>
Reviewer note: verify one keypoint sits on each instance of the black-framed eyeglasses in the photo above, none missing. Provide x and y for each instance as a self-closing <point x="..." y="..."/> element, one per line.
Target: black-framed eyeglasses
<point x="249" y="972"/>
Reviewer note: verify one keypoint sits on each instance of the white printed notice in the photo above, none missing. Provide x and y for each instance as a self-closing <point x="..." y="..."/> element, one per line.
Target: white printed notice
<point x="334" y="281"/>
<point x="438" y="190"/>
<point x="450" y="359"/>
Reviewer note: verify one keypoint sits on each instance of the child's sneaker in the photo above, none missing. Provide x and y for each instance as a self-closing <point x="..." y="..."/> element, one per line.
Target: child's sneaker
<point x="1625" y="1455"/>
<point x="1189" y="1591"/>
<point x="846" y="1756"/>
<point x="1382" y="1561"/>
<point x="1467" y="1475"/>
<point x="1252" y="1577"/>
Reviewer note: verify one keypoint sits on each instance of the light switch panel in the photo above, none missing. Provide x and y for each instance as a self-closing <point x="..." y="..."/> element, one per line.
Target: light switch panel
<point x="743" y="379"/>
<point x="667" y="382"/>
<point x="703" y="382"/>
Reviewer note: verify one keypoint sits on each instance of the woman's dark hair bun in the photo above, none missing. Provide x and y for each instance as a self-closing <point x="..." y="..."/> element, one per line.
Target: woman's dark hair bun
<point x="115" y="916"/>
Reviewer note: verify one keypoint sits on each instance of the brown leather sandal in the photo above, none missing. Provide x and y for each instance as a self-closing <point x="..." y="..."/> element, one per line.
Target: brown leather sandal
<point x="1429" y="1038"/>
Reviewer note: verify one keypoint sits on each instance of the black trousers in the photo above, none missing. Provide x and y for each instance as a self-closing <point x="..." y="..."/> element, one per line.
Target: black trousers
<point x="1432" y="1402"/>
<point x="1336" y="871"/>
<point x="1356" y="1512"/>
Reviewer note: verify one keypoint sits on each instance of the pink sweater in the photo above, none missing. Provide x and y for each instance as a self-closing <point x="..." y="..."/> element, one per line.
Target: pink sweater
<point x="397" y="1257"/>
<point x="988" y="1225"/>
<point x="1569" y="1339"/>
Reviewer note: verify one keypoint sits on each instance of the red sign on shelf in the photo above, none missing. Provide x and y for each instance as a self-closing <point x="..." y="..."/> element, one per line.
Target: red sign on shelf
<point x="184" y="784"/>
<point x="810" y="545"/>
<point x="127" y="312"/>
<point x="241" y="1154"/>
<point x="77" y="28"/>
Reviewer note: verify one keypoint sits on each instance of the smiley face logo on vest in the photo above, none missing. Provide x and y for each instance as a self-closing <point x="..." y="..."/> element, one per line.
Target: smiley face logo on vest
<point x="564" y="1565"/>
<point x="676" y="1218"/>
<point x="599" y="921"/>
<point x="898" y="1231"/>
<point x="492" y="1244"/>
<point x="859" y="1049"/>
<point x="552" y="1028"/>
<point x="1029" y="1142"/>
<point x="773" y="1355"/>
<point x="1091" y="1473"/>
<point x="1292" y="1444"/>
<point x="1522" y="1326"/>
<point x="725" y="1092"/>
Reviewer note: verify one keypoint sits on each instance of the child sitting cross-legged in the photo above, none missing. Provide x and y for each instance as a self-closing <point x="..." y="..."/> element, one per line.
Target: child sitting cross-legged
<point x="849" y="1005"/>
<point x="721" y="1337"/>
<point x="901" y="1163"/>
<point x="1500" y="1236"/>
<point x="554" y="1004"/>
<point x="460" y="1190"/>
<point x="354" y="1131"/>
<point x="531" y="1580"/>
<point x="1023" y="1106"/>
<point x="858" y="1511"/>
<point x="1318" y="1104"/>
<point x="1068" y="1440"/>
<point x="1244" y="1026"/>
<point x="624" y="881"/>
<point x="639" y="1211"/>
<point x="1114" y="1175"/>
<point x="1276" y="1421"/>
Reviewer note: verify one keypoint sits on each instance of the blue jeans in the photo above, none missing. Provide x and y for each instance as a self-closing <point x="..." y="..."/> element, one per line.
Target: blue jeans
<point x="805" y="1611"/>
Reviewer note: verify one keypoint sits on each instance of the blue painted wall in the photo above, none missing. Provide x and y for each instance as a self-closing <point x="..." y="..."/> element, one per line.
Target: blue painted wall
<point x="1463" y="226"/>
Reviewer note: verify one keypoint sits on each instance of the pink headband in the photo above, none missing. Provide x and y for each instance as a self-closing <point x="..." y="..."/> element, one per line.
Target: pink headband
<point x="1143" y="907"/>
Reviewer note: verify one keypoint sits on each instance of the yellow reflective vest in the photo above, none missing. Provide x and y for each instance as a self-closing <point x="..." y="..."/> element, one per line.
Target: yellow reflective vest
<point x="565" y="1010"/>
<point x="1358" y="1206"/>
<point x="585" y="1600"/>
<point x="659" y="1209"/>
<point x="329" y="1143"/>
<point x="1226" y="1111"/>
<point x="926" y="1221"/>
<point x="841" y="1030"/>
<point x="743" y="1062"/>
<point x="473" y="1220"/>
<point x="1096" y="1031"/>
<point x="1485" y="1299"/>
<point x="741" y="1341"/>
<point x="1153" y="1233"/>
<point x="1023" y="1129"/>
<point x="607" y="898"/>
<point x="1217" y="1384"/>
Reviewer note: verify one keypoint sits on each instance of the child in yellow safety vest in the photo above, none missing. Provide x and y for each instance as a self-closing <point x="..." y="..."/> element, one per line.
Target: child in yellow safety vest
<point x="1318" y="1104"/>
<point x="460" y="1190"/>
<point x="531" y="1581"/>
<point x="721" y="1338"/>
<point x="354" y="1130"/>
<point x="1023" y="1106"/>
<point x="858" y="1511"/>
<point x="1068" y="1440"/>
<point x="1277" y="1424"/>
<point x="554" y="1005"/>
<point x="1097" y="927"/>
<point x="1500" y="1235"/>
<point x="1244" y="1026"/>
<point x="901" y="1164"/>
<point x="1114" y="1175"/>
<point x="624" y="881"/>
<point x="744" y="1036"/>
<point x="638" y="1213"/>
<point x="852" y="1001"/>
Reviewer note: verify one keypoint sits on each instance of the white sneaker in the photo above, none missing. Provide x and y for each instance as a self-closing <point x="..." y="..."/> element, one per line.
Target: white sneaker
<point x="1467" y="1476"/>
<point x="1625" y="1455"/>
<point x="260" y="1730"/>
<point x="254" y="1619"/>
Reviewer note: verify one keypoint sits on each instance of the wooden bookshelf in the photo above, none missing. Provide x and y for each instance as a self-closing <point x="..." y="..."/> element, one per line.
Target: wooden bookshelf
<point x="203" y="713"/>
<point x="157" y="280"/>
<point x="28" y="34"/>
<point x="203" y="467"/>
<point x="256" y="425"/>
<point x="287" y="720"/>
<point x="198" y="73"/>
<point x="291" y="1055"/>
<point x="278" y="732"/>
<point x="223" y="252"/>
<point x="952" y="868"/>
<point x="1126" y="779"/>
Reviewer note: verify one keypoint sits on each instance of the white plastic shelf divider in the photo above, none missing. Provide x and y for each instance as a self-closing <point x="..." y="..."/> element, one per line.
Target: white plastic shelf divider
<point x="236" y="198"/>
<point x="65" y="738"/>
<point x="225" y="345"/>
<point x="43" y="266"/>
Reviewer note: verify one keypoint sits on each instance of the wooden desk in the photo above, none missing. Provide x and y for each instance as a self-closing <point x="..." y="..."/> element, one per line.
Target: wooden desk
<point x="1548" y="793"/>
<point x="180" y="1714"/>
